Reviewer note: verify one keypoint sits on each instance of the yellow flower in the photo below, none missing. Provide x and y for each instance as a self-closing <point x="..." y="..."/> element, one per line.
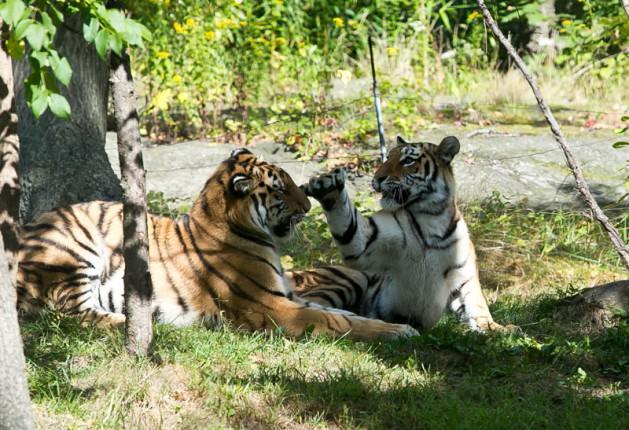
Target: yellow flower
<point x="566" y="22"/>
<point x="190" y="22"/>
<point x="472" y="16"/>
<point x="209" y="35"/>
<point x="183" y="97"/>
<point x="338" y="22"/>
<point x="393" y="51"/>
<point x="177" y="79"/>
<point x="163" y="54"/>
<point x="242" y="23"/>
<point x="223" y="23"/>
<point x="179" y="29"/>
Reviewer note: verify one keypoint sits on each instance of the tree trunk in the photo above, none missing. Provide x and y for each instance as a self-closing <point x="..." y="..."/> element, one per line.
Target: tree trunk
<point x="137" y="278"/>
<point x="15" y="404"/>
<point x="64" y="162"/>
<point x="543" y="37"/>
<point x="582" y="186"/>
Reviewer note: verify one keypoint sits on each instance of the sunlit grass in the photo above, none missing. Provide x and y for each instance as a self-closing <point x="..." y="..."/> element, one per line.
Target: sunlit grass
<point x="551" y="374"/>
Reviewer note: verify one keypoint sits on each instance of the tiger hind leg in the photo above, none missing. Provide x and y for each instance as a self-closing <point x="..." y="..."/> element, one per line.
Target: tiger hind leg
<point x="89" y="301"/>
<point x="334" y="286"/>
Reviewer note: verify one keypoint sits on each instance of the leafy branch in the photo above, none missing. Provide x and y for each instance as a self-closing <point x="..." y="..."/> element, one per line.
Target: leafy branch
<point x="35" y="23"/>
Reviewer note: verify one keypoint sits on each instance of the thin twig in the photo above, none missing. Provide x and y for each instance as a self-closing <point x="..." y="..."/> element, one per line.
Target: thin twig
<point x="582" y="186"/>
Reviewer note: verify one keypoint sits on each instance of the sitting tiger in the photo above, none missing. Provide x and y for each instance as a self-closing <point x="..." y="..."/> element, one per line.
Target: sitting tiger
<point x="219" y="261"/>
<point x="418" y="242"/>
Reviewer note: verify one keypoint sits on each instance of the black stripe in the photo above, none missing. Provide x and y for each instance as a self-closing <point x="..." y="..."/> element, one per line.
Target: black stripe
<point x="81" y="226"/>
<point x="358" y="291"/>
<point x="416" y="228"/>
<point x="101" y="217"/>
<point x="49" y="267"/>
<point x="229" y="246"/>
<point x="454" y="222"/>
<point x="171" y="281"/>
<point x="76" y="308"/>
<point x="399" y="224"/>
<point x="348" y="235"/>
<point x="455" y="267"/>
<point x="250" y="236"/>
<point x="70" y="297"/>
<point x="110" y="300"/>
<point x="234" y="288"/>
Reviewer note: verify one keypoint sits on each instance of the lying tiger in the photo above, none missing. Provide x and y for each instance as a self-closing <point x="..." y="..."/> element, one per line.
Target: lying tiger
<point x="418" y="242"/>
<point x="218" y="261"/>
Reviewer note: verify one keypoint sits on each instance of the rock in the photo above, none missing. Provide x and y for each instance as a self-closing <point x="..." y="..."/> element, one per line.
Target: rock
<point x="518" y="166"/>
<point x="597" y="308"/>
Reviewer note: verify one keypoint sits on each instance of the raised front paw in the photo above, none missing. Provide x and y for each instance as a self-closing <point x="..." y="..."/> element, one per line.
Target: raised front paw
<point x="326" y="188"/>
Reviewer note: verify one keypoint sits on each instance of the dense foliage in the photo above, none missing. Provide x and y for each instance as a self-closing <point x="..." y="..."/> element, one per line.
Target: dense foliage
<point x="212" y="57"/>
<point x="35" y="22"/>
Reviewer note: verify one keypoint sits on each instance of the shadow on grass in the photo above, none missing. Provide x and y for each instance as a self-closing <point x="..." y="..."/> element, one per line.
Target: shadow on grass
<point x="472" y="401"/>
<point x="57" y="349"/>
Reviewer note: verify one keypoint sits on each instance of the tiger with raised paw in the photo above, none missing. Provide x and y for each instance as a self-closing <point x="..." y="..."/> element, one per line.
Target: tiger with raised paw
<point x="418" y="243"/>
<point x="218" y="261"/>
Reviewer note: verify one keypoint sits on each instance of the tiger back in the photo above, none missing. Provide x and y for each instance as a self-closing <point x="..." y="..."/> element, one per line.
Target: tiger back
<point x="218" y="262"/>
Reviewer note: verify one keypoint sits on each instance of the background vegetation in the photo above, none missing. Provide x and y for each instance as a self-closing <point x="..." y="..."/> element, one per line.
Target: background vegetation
<point x="237" y="70"/>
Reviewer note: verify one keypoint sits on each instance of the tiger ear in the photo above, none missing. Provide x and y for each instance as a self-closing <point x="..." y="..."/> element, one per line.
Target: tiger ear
<point x="401" y="141"/>
<point x="242" y="184"/>
<point x="448" y="148"/>
<point x="238" y="151"/>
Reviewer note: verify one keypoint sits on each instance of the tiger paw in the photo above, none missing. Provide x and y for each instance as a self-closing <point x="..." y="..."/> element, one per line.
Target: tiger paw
<point x="494" y="327"/>
<point x="326" y="188"/>
<point x="406" y="330"/>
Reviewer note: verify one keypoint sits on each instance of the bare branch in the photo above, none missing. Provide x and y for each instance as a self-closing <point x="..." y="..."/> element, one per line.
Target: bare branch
<point x="582" y="185"/>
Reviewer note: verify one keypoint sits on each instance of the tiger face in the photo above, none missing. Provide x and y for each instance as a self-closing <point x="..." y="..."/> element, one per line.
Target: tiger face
<point x="264" y="192"/>
<point x="416" y="172"/>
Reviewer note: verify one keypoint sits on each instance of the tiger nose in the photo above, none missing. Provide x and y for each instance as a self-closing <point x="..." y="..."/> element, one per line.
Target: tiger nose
<point x="376" y="183"/>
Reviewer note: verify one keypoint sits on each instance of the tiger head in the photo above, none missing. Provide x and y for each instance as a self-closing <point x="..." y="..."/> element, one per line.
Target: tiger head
<point x="255" y="196"/>
<point x="417" y="173"/>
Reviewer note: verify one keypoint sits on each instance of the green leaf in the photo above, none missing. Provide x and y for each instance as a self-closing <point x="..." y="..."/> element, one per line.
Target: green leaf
<point x="21" y="28"/>
<point x="117" y="20"/>
<point x="59" y="106"/>
<point x="36" y="36"/>
<point x="12" y="11"/>
<point x="621" y="144"/>
<point x="101" y="42"/>
<point x="62" y="70"/>
<point x="47" y="22"/>
<point x="15" y="48"/>
<point x="115" y="43"/>
<point x="90" y="30"/>
<point x="39" y="100"/>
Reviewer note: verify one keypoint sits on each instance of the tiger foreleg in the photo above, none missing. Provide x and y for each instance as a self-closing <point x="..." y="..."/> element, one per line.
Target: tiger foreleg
<point x="352" y="232"/>
<point x="470" y="306"/>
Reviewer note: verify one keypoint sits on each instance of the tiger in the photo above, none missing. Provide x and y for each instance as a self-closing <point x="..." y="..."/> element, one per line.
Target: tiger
<point x="418" y="242"/>
<point x="219" y="262"/>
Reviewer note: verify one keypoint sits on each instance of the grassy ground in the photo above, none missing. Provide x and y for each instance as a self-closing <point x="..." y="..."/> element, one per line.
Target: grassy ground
<point x="560" y="371"/>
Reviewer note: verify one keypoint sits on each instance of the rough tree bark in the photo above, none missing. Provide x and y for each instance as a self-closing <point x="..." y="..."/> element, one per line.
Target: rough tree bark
<point x="15" y="404"/>
<point x="582" y="185"/>
<point x="137" y="279"/>
<point x="64" y="162"/>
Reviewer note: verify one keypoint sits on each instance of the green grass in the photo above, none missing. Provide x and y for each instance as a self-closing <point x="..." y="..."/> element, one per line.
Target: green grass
<point x="557" y="372"/>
